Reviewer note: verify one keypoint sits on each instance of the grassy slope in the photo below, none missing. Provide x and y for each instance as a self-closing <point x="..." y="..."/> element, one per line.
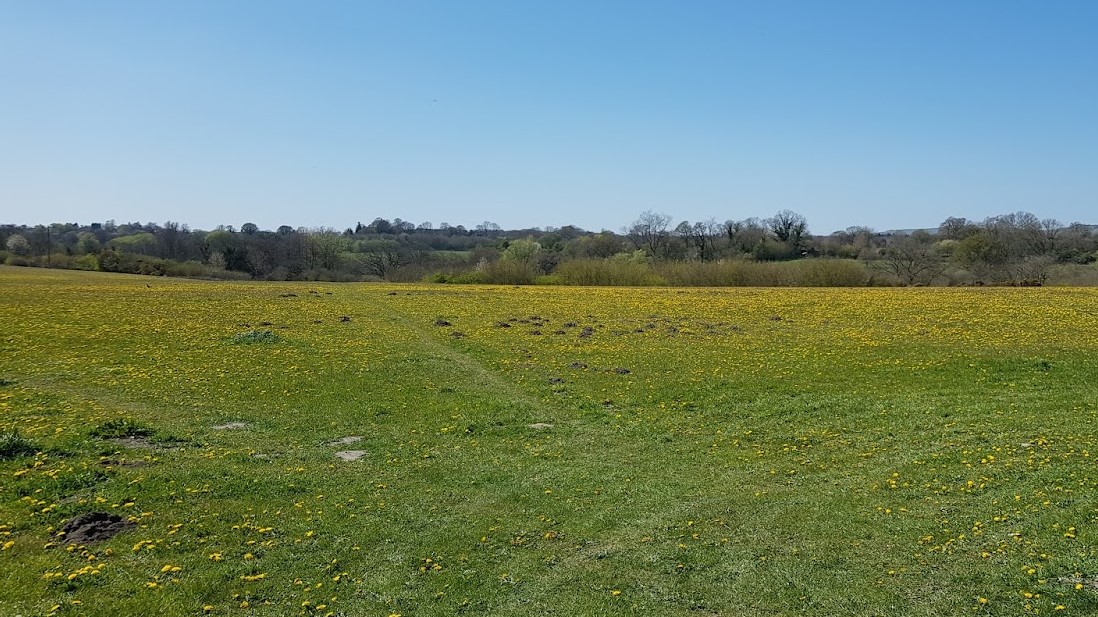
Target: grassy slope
<point x="870" y="452"/>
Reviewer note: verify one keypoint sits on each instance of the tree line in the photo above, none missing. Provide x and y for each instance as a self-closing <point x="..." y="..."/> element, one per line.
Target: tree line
<point x="1012" y="249"/>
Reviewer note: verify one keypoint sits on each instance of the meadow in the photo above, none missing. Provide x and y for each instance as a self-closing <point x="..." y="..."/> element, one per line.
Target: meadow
<point x="545" y="450"/>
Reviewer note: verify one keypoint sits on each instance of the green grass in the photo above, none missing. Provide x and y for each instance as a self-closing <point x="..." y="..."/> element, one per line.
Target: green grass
<point x="252" y="337"/>
<point x="764" y="452"/>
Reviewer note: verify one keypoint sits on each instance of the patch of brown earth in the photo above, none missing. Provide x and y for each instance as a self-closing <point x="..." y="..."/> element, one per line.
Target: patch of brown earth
<point x="93" y="527"/>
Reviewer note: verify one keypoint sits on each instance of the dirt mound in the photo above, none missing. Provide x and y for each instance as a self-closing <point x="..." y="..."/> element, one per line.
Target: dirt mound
<point x="94" y="527"/>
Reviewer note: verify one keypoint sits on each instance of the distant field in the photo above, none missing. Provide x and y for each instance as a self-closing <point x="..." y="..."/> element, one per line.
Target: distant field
<point x="546" y="450"/>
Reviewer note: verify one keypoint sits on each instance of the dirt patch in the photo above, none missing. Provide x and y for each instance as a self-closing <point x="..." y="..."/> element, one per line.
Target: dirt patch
<point x="621" y="370"/>
<point x="350" y="455"/>
<point x="540" y="426"/>
<point x="94" y="527"/>
<point x="1089" y="582"/>
<point x="229" y="426"/>
<point x="137" y="442"/>
<point x="343" y="441"/>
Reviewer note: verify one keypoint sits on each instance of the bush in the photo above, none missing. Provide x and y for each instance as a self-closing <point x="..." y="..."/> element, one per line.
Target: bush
<point x="744" y="273"/>
<point x="549" y="279"/>
<point x="607" y="272"/>
<point x="831" y="273"/>
<point x="86" y="262"/>
<point x="505" y="272"/>
<point x="1076" y="275"/>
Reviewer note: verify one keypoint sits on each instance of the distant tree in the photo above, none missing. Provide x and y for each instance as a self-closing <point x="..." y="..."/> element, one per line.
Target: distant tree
<point x="957" y="228"/>
<point x="745" y="236"/>
<point x="1077" y="243"/>
<point x="169" y="240"/>
<point x="86" y="242"/>
<point x="231" y="252"/>
<point x="18" y="244"/>
<point x="984" y="255"/>
<point x="401" y="226"/>
<point x="487" y="228"/>
<point x="249" y="229"/>
<point x="325" y="248"/>
<point x="381" y="226"/>
<point x="599" y="246"/>
<point x="143" y="243"/>
<point x="702" y="237"/>
<point x="650" y="232"/>
<point x="285" y="230"/>
<point x="913" y="259"/>
<point x="523" y="252"/>
<point x="788" y="226"/>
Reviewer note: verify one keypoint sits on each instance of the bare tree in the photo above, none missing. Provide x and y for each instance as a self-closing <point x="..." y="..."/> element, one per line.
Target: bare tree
<point x="914" y="260"/>
<point x="650" y="232"/>
<point x="745" y="235"/>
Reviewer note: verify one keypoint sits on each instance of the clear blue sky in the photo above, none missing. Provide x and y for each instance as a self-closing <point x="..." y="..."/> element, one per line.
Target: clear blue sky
<point x="881" y="113"/>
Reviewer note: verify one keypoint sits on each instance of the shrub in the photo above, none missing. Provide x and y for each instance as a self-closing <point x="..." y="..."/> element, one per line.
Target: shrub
<point x="607" y="272"/>
<point x="745" y="273"/>
<point x="86" y="262"/>
<point x="831" y="273"/>
<point x="507" y="272"/>
<point x="472" y="277"/>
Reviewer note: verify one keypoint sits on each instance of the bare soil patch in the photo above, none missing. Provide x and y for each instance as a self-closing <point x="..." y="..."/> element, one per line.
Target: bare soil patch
<point x="138" y="442"/>
<point x="94" y="527"/>
<point x="229" y="426"/>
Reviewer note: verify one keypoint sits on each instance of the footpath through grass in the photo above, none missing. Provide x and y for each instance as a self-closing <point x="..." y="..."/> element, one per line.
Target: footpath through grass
<point x="567" y="451"/>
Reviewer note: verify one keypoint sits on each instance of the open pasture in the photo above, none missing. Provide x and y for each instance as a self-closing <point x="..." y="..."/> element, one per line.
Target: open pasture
<point x="546" y="450"/>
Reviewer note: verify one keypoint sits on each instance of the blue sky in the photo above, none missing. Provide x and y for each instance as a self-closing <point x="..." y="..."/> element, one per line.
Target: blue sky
<point x="885" y="114"/>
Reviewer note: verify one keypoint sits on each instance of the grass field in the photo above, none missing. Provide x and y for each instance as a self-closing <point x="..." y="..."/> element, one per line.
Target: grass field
<point x="564" y="451"/>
